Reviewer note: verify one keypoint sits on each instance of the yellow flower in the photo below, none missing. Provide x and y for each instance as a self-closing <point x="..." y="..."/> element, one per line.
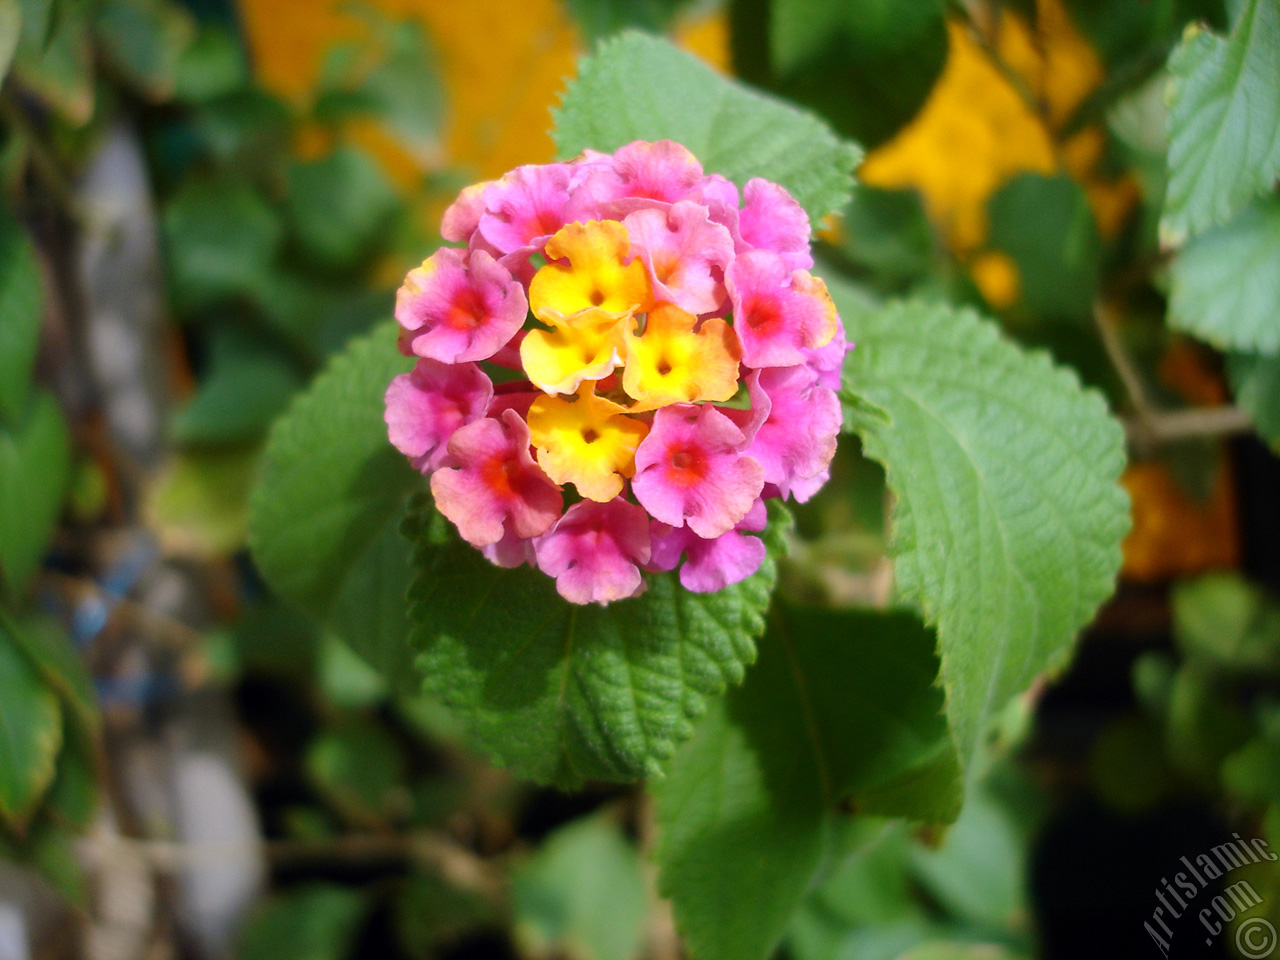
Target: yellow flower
<point x="980" y="128"/>
<point x="585" y="347"/>
<point x="673" y="363"/>
<point x="589" y="270"/>
<point x="586" y="441"/>
<point x="996" y="276"/>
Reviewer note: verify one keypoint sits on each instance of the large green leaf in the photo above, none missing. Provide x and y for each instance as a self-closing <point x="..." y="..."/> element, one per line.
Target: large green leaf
<point x="1256" y="381"/>
<point x="1225" y="284"/>
<point x="1009" y="517"/>
<point x="35" y="467"/>
<point x="840" y="714"/>
<point x="640" y="88"/>
<point x="30" y="732"/>
<point x="330" y="496"/>
<point x="563" y="693"/>
<point x="20" y="315"/>
<point x="1224" y="121"/>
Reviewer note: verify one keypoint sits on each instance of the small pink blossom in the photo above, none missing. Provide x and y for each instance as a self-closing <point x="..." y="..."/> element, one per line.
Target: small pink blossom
<point x="771" y="220"/>
<point x="798" y="437"/>
<point x="690" y="469"/>
<point x="528" y="205"/>
<point x="426" y="406"/>
<point x="511" y="551"/>
<point x="663" y="171"/>
<point x="714" y="564"/>
<point x="685" y="253"/>
<point x="596" y="550"/>
<point x="497" y="489"/>
<point x="778" y="313"/>
<point x="463" y="216"/>
<point x="828" y="362"/>
<point x="460" y="306"/>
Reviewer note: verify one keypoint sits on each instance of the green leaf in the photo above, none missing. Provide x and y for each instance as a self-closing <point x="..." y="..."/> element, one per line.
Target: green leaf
<point x="840" y="714"/>
<point x="315" y="922"/>
<point x="890" y="53"/>
<point x="37" y="22"/>
<point x="637" y="87"/>
<point x="1009" y="517"/>
<point x="563" y="693"/>
<point x="1224" y="122"/>
<point x="405" y="89"/>
<point x="248" y="384"/>
<point x="30" y="732"/>
<point x="339" y="206"/>
<point x="1229" y="621"/>
<point x="213" y="64"/>
<point x="20" y="315"/>
<point x="72" y="800"/>
<point x="222" y="236"/>
<point x="10" y="31"/>
<point x="1225" y="285"/>
<point x="35" y="469"/>
<point x="582" y="894"/>
<point x="430" y="911"/>
<point x="887" y="232"/>
<point x="146" y="40"/>
<point x="599" y="19"/>
<point x="867" y="908"/>
<point x="1255" y="378"/>
<point x="1046" y="226"/>
<point x="199" y="504"/>
<point x="979" y="872"/>
<point x="59" y="69"/>
<point x="330" y="496"/>
<point x="360" y="769"/>
<point x="949" y="950"/>
<point x="63" y="667"/>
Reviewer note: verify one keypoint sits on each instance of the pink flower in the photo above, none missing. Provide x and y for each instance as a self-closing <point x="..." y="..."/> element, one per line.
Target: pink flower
<point x="778" y="313"/>
<point x="685" y="253"/>
<point x="771" y="220"/>
<point x="498" y="489"/>
<point x="596" y="550"/>
<point x="426" y="406"/>
<point x="690" y="469"/>
<point x="798" y="437"/>
<point x="716" y="190"/>
<point x="663" y="171"/>
<point x="711" y="565"/>
<point x="528" y="205"/>
<point x="511" y="551"/>
<point x="463" y="216"/>
<point x="828" y="362"/>
<point x="459" y="306"/>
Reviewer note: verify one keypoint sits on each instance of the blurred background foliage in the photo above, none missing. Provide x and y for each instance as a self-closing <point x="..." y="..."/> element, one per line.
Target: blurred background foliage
<point x="204" y="200"/>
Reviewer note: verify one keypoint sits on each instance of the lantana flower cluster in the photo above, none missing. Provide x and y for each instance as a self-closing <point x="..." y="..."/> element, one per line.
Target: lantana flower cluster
<point x="624" y="361"/>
